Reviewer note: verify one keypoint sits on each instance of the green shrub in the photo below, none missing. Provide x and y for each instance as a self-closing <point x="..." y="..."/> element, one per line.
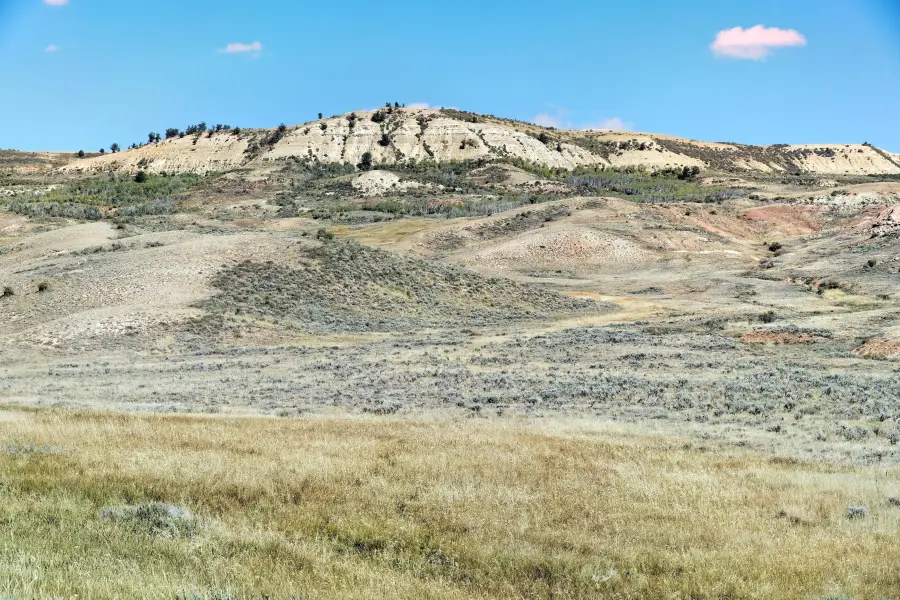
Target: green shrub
<point x="43" y="286"/>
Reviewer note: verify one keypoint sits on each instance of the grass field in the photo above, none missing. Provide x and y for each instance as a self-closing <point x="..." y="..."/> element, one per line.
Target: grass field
<point x="97" y="505"/>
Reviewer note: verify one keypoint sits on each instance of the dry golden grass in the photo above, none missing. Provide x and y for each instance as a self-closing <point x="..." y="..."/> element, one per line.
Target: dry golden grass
<point x="386" y="508"/>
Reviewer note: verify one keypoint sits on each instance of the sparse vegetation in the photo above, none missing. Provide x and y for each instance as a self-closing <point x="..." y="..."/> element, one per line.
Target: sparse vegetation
<point x="553" y="302"/>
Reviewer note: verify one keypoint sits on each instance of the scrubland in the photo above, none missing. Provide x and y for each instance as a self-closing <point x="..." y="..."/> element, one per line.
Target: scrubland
<point x="432" y="354"/>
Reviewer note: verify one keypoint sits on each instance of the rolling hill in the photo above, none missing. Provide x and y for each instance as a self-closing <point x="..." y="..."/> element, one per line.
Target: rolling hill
<point x="401" y="135"/>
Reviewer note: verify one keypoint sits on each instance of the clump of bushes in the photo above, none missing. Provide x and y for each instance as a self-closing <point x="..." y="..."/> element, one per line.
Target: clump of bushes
<point x="155" y="518"/>
<point x="57" y="210"/>
<point x="768" y="317"/>
<point x="689" y="173"/>
<point x="7" y="292"/>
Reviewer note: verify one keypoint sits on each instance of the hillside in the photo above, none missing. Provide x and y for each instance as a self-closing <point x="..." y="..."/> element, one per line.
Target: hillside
<point x="404" y="135"/>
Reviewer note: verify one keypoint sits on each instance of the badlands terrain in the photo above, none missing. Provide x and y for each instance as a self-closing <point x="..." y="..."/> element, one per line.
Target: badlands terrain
<point x="441" y="280"/>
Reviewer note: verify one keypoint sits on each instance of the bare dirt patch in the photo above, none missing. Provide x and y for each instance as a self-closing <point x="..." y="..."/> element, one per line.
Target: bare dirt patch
<point x="880" y="348"/>
<point x="775" y="337"/>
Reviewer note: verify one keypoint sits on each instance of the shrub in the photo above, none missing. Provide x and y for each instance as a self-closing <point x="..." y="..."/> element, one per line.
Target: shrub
<point x="70" y="210"/>
<point x="768" y="317"/>
<point x="154" y="518"/>
<point x="872" y="262"/>
<point x="81" y="154"/>
<point x="324" y="234"/>
<point x="385" y="140"/>
<point x="114" y="148"/>
<point x="689" y="173"/>
<point x="379" y="116"/>
<point x="7" y="292"/>
<point x="140" y="177"/>
<point x="366" y="163"/>
<point x="43" y="286"/>
<point x="857" y="512"/>
<point x="543" y="138"/>
<point x="172" y="132"/>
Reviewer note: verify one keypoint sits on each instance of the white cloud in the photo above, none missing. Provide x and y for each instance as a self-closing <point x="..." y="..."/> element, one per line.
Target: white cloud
<point x="559" y="120"/>
<point x="755" y="43"/>
<point x="419" y="105"/>
<point x="548" y="120"/>
<point x="239" y="48"/>
<point x="56" y="2"/>
<point x="612" y="124"/>
<point x="52" y="48"/>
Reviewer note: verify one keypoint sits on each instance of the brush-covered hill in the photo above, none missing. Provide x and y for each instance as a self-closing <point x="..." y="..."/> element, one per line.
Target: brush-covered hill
<point x="397" y="135"/>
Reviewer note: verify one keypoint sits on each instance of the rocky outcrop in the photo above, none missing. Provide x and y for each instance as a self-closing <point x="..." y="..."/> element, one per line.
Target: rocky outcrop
<point x="404" y="135"/>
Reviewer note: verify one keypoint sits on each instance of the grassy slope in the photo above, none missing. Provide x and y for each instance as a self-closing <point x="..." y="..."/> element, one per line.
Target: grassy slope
<point x="353" y="508"/>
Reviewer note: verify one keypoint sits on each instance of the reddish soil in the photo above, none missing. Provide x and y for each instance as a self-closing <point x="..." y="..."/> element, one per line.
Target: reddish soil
<point x="774" y="337"/>
<point x="879" y="349"/>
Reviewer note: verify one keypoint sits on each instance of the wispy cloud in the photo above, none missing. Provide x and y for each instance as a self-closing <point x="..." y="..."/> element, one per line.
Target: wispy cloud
<point x="559" y="120"/>
<point x="548" y="120"/>
<point x="612" y="124"/>
<point x="755" y="43"/>
<point x="52" y="48"/>
<point x="419" y="105"/>
<point x="239" y="48"/>
<point x="56" y="2"/>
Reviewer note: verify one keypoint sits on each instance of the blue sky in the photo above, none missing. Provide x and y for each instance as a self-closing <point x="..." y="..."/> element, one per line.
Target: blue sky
<point x="86" y="73"/>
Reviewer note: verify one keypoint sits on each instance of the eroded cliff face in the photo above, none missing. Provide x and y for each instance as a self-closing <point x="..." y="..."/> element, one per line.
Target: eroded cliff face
<point x="419" y="135"/>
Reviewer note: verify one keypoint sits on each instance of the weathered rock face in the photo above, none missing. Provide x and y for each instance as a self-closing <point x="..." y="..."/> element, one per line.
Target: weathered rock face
<point x="378" y="183"/>
<point x="887" y="221"/>
<point x="180" y="155"/>
<point x="419" y="135"/>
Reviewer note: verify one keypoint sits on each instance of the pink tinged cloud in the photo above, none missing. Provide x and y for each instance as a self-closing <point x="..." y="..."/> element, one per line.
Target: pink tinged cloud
<point x="56" y="2"/>
<point x="755" y="43"/>
<point x="238" y="48"/>
<point x="52" y="48"/>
